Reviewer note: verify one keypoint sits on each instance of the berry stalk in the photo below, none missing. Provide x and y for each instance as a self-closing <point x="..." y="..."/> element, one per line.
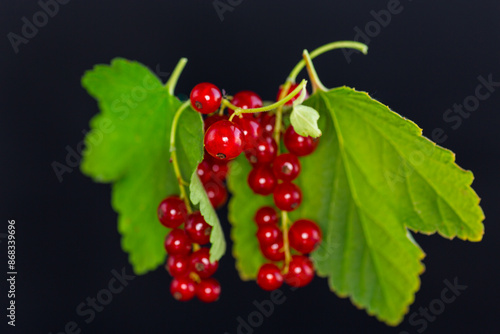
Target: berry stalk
<point x="286" y="242"/>
<point x="239" y="111"/>
<point x="279" y="113"/>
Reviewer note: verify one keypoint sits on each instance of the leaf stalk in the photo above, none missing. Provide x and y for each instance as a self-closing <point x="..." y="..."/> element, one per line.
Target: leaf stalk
<point x="173" y="156"/>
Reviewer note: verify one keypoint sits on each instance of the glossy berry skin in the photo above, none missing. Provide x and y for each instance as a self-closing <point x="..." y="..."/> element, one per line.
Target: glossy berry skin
<point x="204" y="171"/>
<point x="178" y="265"/>
<point x="269" y="277"/>
<point x="208" y="290"/>
<point x="268" y="234"/>
<point x="214" y="119"/>
<point x="247" y="99"/>
<point x="286" y="167"/>
<point x="274" y="251"/>
<point x="183" y="289"/>
<point x="218" y="168"/>
<point x="267" y="123"/>
<point x="287" y="196"/>
<point x="263" y="152"/>
<point x="300" y="272"/>
<point x="297" y="144"/>
<point x="262" y="180"/>
<point x="205" y="98"/>
<point x="200" y="263"/>
<point x="198" y="229"/>
<point x="177" y="242"/>
<point x="251" y="131"/>
<point x="266" y="215"/>
<point x="224" y="140"/>
<point x="304" y="236"/>
<point x="216" y="192"/>
<point x="172" y="212"/>
<point x="292" y="87"/>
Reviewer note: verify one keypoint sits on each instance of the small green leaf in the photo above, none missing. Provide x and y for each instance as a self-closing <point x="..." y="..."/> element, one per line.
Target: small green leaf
<point x="199" y="196"/>
<point x="373" y="176"/>
<point x="304" y="120"/>
<point x="128" y="146"/>
<point x="241" y="212"/>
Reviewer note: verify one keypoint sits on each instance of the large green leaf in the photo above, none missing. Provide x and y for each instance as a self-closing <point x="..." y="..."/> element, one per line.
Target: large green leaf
<point x="129" y="147"/>
<point x="373" y="176"/>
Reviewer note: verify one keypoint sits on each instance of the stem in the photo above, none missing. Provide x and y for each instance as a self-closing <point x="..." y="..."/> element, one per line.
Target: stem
<point x="173" y="156"/>
<point x="325" y="48"/>
<point x="315" y="82"/>
<point x="174" y="77"/>
<point x="239" y="111"/>
<point x="279" y="114"/>
<point x="195" y="277"/>
<point x="286" y="244"/>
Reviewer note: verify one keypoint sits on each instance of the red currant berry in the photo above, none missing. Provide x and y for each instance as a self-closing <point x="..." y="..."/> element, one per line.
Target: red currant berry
<point x="269" y="277"/>
<point x="268" y="234"/>
<point x="177" y="242"/>
<point x="304" y="235"/>
<point x="204" y="171"/>
<point x="251" y="131"/>
<point x="214" y="119"/>
<point x="198" y="229"/>
<point x="263" y="152"/>
<point x="205" y="98"/>
<point x="262" y="180"/>
<point x="287" y="196"/>
<point x="300" y="272"/>
<point x="172" y="212"/>
<point x="247" y="99"/>
<point x="297" y="144"/>
<point x="266" y="215"/>
<point x="224" y="140"/>
<point x="267" y="123"/>
<point x="274" y="251"/>
<point x="182" y="289"/>
<point x="200" y="263"/>
<point x="219" y="170"/>
<point x="178" y="265"/>
<point x="216" y="192"/>
<point x="286" y="167"/>
<point x="208" y="290"/>
<point x="292" y="87"/>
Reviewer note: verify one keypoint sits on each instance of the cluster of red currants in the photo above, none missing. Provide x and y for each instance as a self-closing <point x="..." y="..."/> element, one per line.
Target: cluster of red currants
<point x="252" y="133"/>
<point x="187" y="262"/>
<point x="304" y="236"/>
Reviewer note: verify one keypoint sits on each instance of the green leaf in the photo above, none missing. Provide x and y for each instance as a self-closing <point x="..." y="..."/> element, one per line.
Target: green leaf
<point x="305" y="121"/>
<point x="199" y="196"/>
<point x="128" y="146"/>
<point x="241" y="212"/>
<point x="373" y="176"/>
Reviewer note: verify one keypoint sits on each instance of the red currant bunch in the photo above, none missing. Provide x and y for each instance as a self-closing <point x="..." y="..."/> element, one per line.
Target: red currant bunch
<point x="304" y="237"/>
<point x="187" y="262"/>
<point x="272" y="173"/>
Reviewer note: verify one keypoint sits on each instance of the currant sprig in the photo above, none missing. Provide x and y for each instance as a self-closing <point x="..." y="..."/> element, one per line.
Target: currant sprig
<point x="256" y="130"/>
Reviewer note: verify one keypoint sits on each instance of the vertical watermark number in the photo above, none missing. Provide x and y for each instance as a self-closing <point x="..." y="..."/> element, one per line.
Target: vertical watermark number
<point x="11" y="272"/>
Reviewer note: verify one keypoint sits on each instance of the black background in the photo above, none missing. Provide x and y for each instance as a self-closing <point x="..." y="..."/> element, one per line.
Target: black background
<point x="424" y="61"/>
